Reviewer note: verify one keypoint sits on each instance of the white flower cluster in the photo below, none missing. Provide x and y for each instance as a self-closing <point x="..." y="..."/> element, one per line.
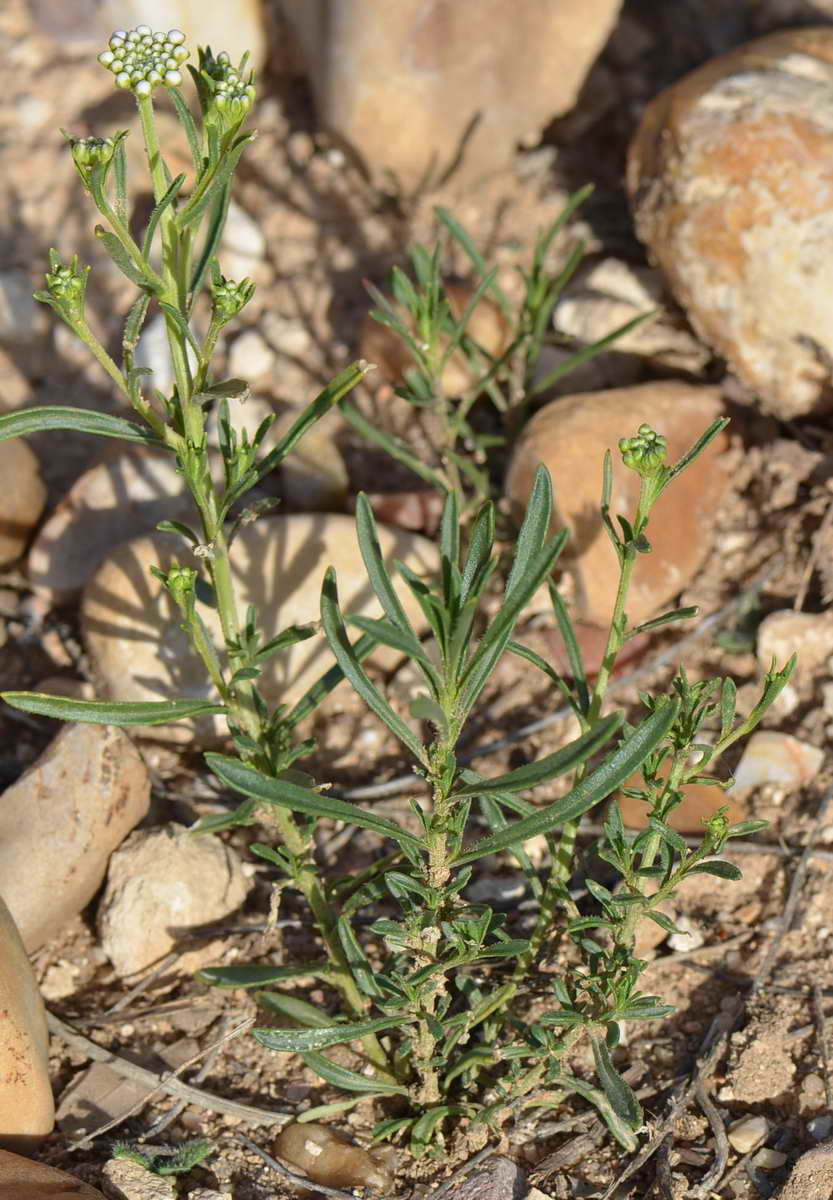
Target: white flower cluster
<point x="141" y="59"/>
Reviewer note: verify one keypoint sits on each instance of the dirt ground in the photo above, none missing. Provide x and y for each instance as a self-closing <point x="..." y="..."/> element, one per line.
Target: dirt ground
<point x="327" y="229"/>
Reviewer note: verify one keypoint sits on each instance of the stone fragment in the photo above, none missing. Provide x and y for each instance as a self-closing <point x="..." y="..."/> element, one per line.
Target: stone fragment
<point x="772" y="757"/>
<point x="498" y="1179"/>
<point x="124" y="496"/>
<point x="699" y="803"/>
<point x="139" y="651"/>
<point x="764" y="1071"/>
<point x="250" y="356"/>
<point x="747" y="1133"/>
<point x="242" y="234"/>
<point x="161" y="883"/>
<point x="26" y="1106"/>
<point x="807" y="635"/>
<point x="204" y="23"/>
<point x="23" y="1179"/>
<point x="769" y="1160"/>
<point x="570" y="437"/>
<point x="24" y="497"/>
<point x="820" y="1128"/>
<point x="416" y="88"/>
<point x="324" y="1156"/>
<point x="730" y="178"/>
<point x="126" y="1180"/>
<point x="62" y="819"/>
<point x="811" y="1176"/>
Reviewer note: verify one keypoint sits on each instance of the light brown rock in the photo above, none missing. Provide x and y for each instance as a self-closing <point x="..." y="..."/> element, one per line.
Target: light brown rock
<point x="410" y="85"/>
<point x="324" y="1156"/>
<point x="60" y="822"/>
<point x="699" y="803"/>
<point x="126" y="1180"/>
<point x="24" y="497"/>
<point x="139" y="651"/>
<point x="26" y="1106"/>
<point x="161" y="883"/>
<point x="570" y="437"/>
<point x="807" y="635"/>
<point x="22" y="1179"/>
<point x="731" y="180"/>
<point x="118" y="499"/>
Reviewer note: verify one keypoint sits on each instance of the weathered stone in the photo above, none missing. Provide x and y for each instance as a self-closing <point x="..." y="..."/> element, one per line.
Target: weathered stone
<point x="124" y="496"/>
<point x="417" y="86"/>
<point x="731" y="179"/>
<point x="498" y="1179"/>
<point x="570" y="437"/>
<point x="126" y="1180"/>
<point x="26" y="1106"/>
<point x="20" y="318"/>
<point x="60" y="822"/>
<point x="136" y="643"/>
<point x="23" y="1179"/>
<point x="95" y="1096"/>
<point x="747" y="1132"/>
<point x="807" y="635"/>
<point x="161" y="883"/>
<point x="773" y="757"/>
<point x="204" y="23"/>
<point x="699" y="803"/>
<point x="812" y="1175"/>
<point x="250" y="356"/>
<point x="24" y="497"/>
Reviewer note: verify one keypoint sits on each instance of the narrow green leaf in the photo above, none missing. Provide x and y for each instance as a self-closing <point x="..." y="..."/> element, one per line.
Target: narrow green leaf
<point x="286" y="638"/>
<point x="340" y="645"/>
<point x="588" y="352"/>
<point x="589" y="792"/>
<point x="713" y="431"/>
<point x="566" y="759"/>
<point x="388" y="634"/>
<point x="158" y="211"/>
<point x="719" y="868"/>
<point x="393" y="446"/>
<point x="288" y="795"/>
<point x="295" y="1008"/>
<point x="121" y="258"/>
<point x="620" y="1128"/>
<point x="186" y="120"/>
<point x="299" y="1041"/>
<point x="377" y="571"/>
<point x="253" y="976"/>
<point x="357" y="960"/>
<point x="480" y="548"/>
<point x="622" y="1100"/>
<point x="676" y="614"/>
<point x="107" y="712"/>
<point x="465" y="242"/>
<point x="351" y="1081"/>
<point x="83" y="420"/>
<point x="325" y="684"/>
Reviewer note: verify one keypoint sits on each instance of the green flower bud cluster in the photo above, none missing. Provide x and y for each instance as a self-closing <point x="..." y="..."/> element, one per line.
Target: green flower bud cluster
<point x="141" y="59"/>
<point x="229" y="298"/>
<point x="67" y="285"/>
<point x="644" y="453"/>
<point x="233" y="94"/>
<point x="89" y="152"/>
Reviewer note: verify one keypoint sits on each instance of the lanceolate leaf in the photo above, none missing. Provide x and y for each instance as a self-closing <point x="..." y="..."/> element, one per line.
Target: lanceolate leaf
<point x="288" y="795"/>
<point x="106" y="712"/>
<point x="254" y="976"/>
<point x="299" y="1041"/>
<point x="566" y="759"/>
<point x="622" y="1100"/>
<point x="82" y="420"/>
<point x="589" y="792"/>
<point x="351" y="1081"/>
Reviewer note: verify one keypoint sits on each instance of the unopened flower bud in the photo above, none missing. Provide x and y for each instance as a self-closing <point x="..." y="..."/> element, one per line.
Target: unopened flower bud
<point x="644" y="453"/>
<point x="232" y="91"/>
<point x="229" y="298"/>
<point x="66" y="285"/>
<point x="88" y="152"/>
<point x="140" y="59"/>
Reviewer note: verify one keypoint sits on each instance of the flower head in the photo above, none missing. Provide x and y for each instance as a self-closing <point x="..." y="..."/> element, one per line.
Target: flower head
<point x="230" y="91"/>
<point x="644" y="453"/>
<point x="141" y="59"/>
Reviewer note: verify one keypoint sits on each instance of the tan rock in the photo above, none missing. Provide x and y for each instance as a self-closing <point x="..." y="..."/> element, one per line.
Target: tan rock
<point x="812" y="1175"/>
<point x="26" y="1106"/>
<point x="570" y="437"/>
<point x="60" y="822"/>
<point x="139" y="651"/>
<point x="161" y="883"/>
<point x="731" y="180"/>
<point x="414" y="84"/>
<point x="699" y="803"/>
<point x="774" y="757"/>
<point x="120" y="498"/>
<point x="24" y="497"/>
<point x="807" y="635"/>
<point x="22" y="1179"/>
<point x="324" y="1156"/>
<point x="126" y="1180"/>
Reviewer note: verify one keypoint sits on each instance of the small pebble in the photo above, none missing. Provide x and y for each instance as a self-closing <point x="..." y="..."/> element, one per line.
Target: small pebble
<point x="820" y="1128"/>
<point x="242" y="234"/>
<point x="747" y="1133"/>
<point x="769" y="1160"/>
<point x="689" y="937"/>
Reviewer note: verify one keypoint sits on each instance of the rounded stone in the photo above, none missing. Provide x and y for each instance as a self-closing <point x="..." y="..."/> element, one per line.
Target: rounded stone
<point x="24" y="497"/>
<point x="60" y="822"/>
<point x="23" y="1179"/>
<point x="27" y="1111"/>
<point x="570" y="437"/>
<point x="136" y="643"/>
<point x="731" y="181"/>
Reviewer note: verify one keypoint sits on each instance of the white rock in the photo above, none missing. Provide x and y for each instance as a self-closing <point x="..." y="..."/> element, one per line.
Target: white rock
<point x="689" y="937"/>
<point x="769" y="1160"/>
<point x="250" y="356"/>
<point x="139" y="651"/>
<point x="807" y="635"/>
<point x="24" y="497"/>
<point x="152" y="352"/>
<point x="60" y="822"/>
<point x="771" y="757"/>
<point x="160" y="883"/>
<point x="119" y="499"/>
<point x="747" y="1133"/>
<point x="502" y="890"/>
<point x="19" y="313"/>
<point x="26" y="1107"/>
<point x="242" y="234"/>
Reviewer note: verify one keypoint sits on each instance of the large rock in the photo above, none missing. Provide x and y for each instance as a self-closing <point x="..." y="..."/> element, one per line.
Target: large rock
<point x="136" y="643"/>
<point x="26" y="1107"/>
<point x="60" y="822"/>
<point x="24" y="496"/>
<point x="570" y="437"/>
<point x="160" y="883"/>
<point x="811" y="1176"/>
<point x="414" y="85"/>
<point x="124" y="496"/>
<point x="22" y="1179"/>
<point x="731" y="180"/>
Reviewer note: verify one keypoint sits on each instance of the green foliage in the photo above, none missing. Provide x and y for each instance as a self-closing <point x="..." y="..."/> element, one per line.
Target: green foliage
<point x="431" y="990"/>
<point x="164" y="1160"/>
